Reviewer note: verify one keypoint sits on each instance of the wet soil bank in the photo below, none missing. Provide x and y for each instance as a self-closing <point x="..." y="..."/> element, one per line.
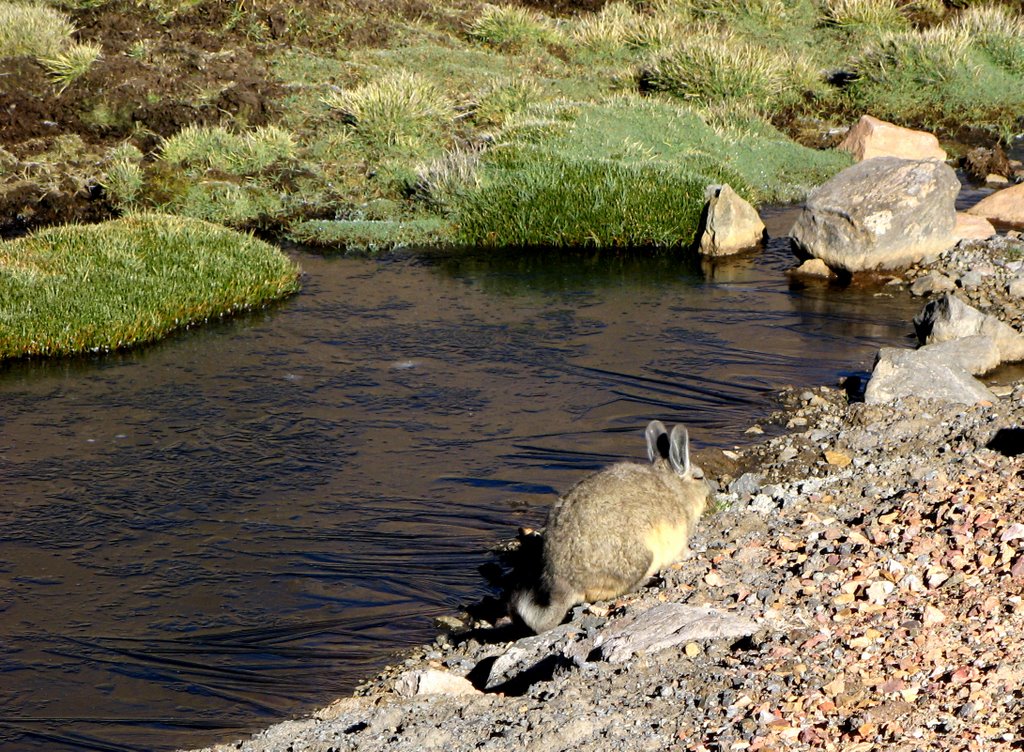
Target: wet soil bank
<point x="865" y="576"/>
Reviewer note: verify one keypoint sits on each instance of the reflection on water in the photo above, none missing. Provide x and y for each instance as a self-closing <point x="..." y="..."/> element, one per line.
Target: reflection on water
<point x="239" y="523"/>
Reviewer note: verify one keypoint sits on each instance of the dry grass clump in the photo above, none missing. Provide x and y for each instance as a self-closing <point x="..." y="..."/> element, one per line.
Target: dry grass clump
<point x="71" y="63"/>
<point x="714" y="67"/>
<point x="513" y="28"/>
<point x="32" y="29"/>
<point x="401" y="108"/>
<point x="986" y="19"/>
<point x="865" y="15"/>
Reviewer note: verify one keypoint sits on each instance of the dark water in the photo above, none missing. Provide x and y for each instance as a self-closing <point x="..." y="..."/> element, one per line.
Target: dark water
<point x="237" y="524"/>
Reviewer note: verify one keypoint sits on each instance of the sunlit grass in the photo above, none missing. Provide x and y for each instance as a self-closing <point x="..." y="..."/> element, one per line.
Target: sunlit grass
<point x="630" y="171"/>
<point x="450" y="104"/>
<point x="32" y="29"/>
<point x="923" y="57"/>
<point x="124" y="181"/>
<point x="217" y="148"/>
<point x="503" y="99"/>
<point x="440" y="181"/>
<point x="941" y="77"/>
<point x="400" y="108"/>
<point x="610" y="28"/>
<point x="540" y="200"/>
<point x="71" y="63"/>
<point x="997" y="29"/>
<point x="78" y="289"/>
<point x="865" y="16"/>
<point x="710" y="68"/>
<point x="512" y="27"/>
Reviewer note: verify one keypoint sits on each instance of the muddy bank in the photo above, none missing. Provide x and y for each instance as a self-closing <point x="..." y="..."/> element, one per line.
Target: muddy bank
<point x="871" y="557"/>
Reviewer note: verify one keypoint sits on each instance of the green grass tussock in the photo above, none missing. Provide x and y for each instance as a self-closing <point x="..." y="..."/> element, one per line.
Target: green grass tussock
<point x="545" y="201"/>
<point x="217" y="148"/>
<point x="943" y="77"/>
<point x="402" y="108"/>
<point x="80" y="289"/>
<point x="71" y="63"/>
<point x="217" y="175"/>
<point x="124" y="181"/>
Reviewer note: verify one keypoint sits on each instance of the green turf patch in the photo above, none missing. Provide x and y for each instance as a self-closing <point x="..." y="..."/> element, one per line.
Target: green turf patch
<point x="628" y="172"/>
<point x="369" y="236"/>
<point x="79" y="289"/>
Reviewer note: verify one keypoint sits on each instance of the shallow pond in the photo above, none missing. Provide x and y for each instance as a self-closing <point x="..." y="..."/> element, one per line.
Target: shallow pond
<point x="237" y="524"/>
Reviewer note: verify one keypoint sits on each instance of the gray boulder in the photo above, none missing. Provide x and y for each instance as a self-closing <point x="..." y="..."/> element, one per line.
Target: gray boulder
<point x="949" y="318"/>
<point x="731" y="224"/>
<point x="923" y="373"/>
<point x="527" y="654"/>
<point x="976" y="355"/>
<point x="671" y="624"/>
<point x="882" y="213"/>
<point x="932" y="283"/>
<point x="431" y="681"/>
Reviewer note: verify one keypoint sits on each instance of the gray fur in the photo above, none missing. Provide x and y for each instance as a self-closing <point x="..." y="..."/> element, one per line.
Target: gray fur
<point x="599" y="539"/>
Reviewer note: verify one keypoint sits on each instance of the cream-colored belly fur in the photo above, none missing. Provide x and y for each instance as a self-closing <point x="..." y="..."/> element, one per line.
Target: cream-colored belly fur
<point x="667" y="543"/>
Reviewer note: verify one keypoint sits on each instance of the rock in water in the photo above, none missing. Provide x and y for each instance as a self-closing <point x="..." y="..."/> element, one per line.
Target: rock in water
<point x="872" y="137"/>
<point x="731" y="224"/>
<point x="883" y="213"/>
<point x="813" y="268"/>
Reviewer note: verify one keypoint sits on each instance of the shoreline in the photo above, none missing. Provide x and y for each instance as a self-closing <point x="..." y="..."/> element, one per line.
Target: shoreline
<point x="865" y="576"/>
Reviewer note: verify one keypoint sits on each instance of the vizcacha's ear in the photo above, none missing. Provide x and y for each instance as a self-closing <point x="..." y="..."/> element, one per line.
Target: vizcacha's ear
<point x="657" y="441"/>
<point x="679" y="450"/>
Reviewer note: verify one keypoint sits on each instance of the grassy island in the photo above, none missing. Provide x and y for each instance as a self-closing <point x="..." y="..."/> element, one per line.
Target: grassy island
<point x="79" y="289"/>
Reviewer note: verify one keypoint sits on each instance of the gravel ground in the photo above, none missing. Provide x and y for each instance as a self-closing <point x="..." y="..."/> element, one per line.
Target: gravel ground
<point x="873" y="557"/>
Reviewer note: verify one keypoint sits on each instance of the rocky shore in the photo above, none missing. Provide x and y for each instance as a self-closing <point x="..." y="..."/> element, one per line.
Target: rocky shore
<point x="858" y="588"/>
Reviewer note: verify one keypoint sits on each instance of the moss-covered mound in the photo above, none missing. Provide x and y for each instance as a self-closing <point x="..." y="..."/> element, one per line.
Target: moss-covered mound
<point x="77" y="289"/>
